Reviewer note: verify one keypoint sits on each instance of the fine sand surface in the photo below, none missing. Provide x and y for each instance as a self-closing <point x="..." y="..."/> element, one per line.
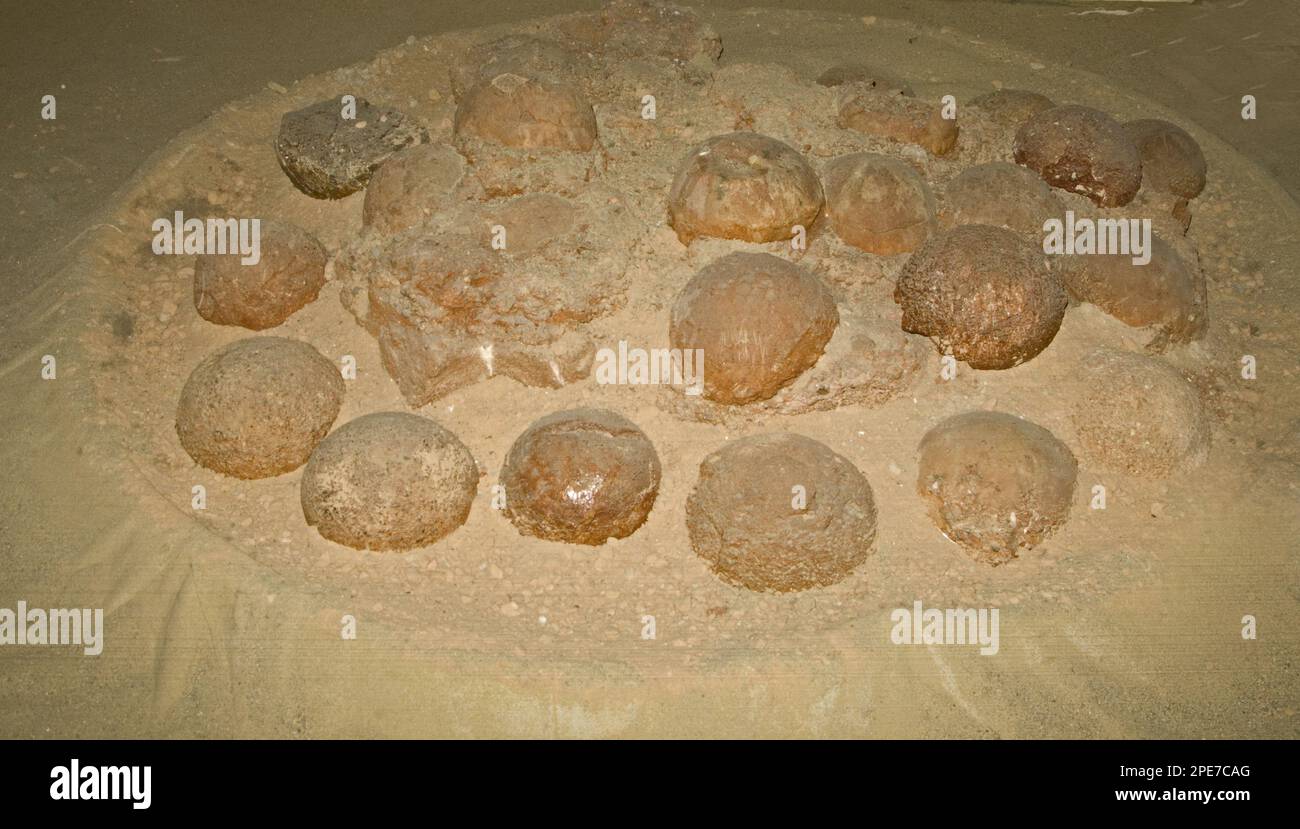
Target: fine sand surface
<point x="1127" y="622"/>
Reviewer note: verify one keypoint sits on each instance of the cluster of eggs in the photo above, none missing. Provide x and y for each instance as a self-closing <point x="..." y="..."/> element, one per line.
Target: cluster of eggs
<point x="975" y="284"/>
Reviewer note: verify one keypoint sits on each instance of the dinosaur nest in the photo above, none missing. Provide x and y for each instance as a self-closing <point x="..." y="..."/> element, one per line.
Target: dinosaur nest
<point x="819" y="233"/>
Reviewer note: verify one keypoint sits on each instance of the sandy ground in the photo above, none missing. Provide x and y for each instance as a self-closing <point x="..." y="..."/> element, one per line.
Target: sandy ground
<point x="1128" y="627"/>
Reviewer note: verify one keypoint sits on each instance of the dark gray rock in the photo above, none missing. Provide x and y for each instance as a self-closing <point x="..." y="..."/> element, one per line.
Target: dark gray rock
<point x="329" y="157"/>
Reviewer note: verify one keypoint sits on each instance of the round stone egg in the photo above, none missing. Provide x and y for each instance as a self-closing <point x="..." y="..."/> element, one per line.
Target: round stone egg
<point x="994" y="483"/>
<point x="878" y="203"/>
<point x="411" y="186"/>
<point x="1164" y="293"/>
<point x="983" y="294"/>
<point x="328" y="153"/>
<point x="1081" y="150"/>
<point x="760" y="321"/>
<point x="1012" y="107"/>
<point x="1137" y="414"/>
<point x="583" y="476"/>
<point x="388" y="481"/>
<point x="1172" y="161"/>
<point x="743" y="186"/>
<point x="781" y="512"/>
<point x="288" y="275"/>
<point x="523" y="112"/>
<point x="999" y="194"/>
<point x="258" y="407"/>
